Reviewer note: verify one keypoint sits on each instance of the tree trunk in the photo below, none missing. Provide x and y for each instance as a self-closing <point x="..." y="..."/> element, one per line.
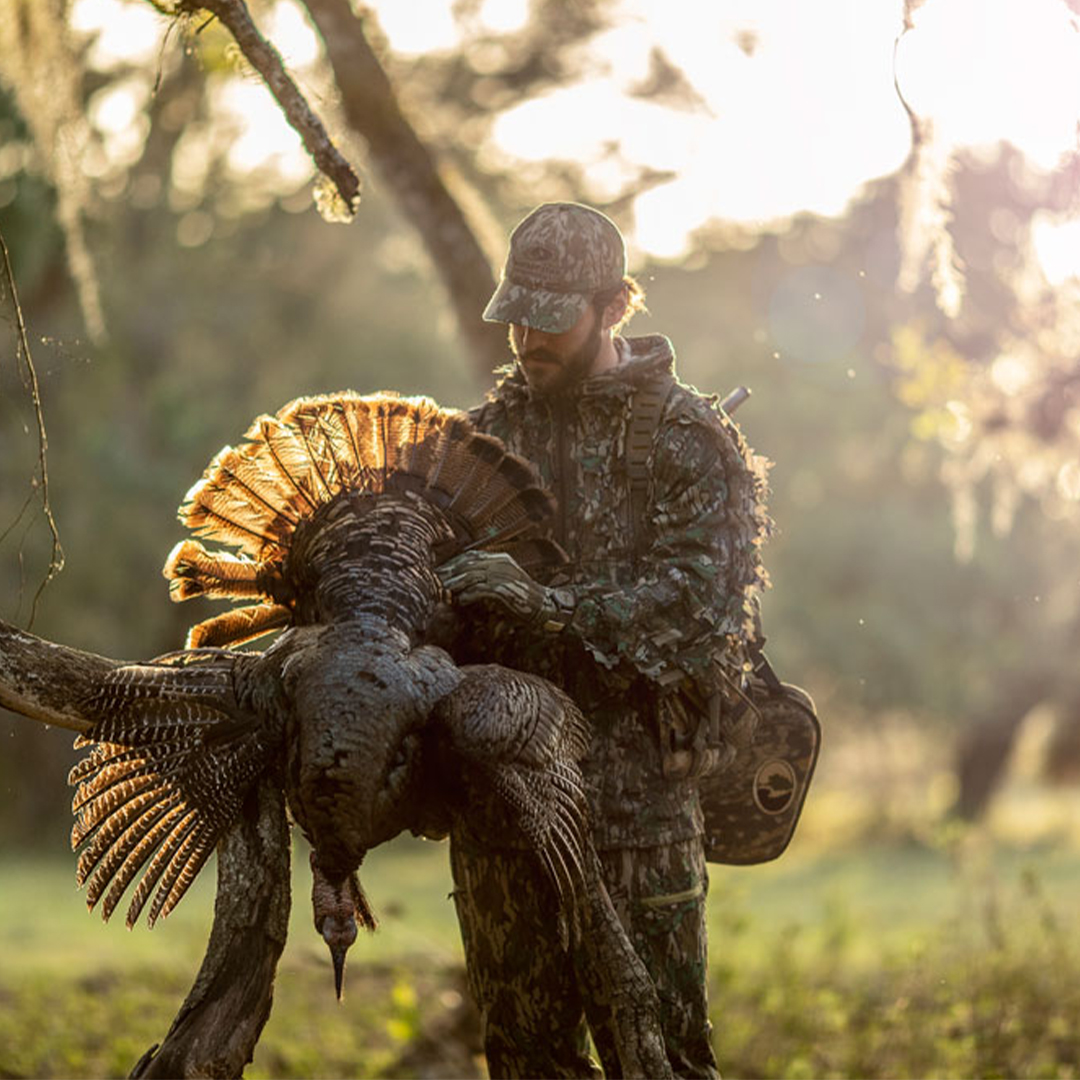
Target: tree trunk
<point x="411" y="176"/>
<point x="983" y="748"/>
<point x="216" y="1030"/>
<point x="217" y="1027"/>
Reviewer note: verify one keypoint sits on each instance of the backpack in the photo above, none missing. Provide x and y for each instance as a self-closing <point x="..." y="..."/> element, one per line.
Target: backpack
<point x="752" y="749"/>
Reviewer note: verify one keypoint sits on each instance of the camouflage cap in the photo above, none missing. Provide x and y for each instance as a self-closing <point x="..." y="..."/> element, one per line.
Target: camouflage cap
<point x="560" y="256"/>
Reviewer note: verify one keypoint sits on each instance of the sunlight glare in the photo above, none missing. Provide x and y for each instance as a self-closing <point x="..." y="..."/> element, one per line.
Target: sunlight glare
<point x="419" y="26"/>
<point x="1068" y="481"/>
<point x="117" y="113"/>
<point x="504" y="16"/>
<point x="127" y="31"/>
<point x="990" y="70"/>
<point x="824" y="119"/>
<point x="666" y="216"/>
<point x="792" y="107"/>
<point x="293" y="35"/>
<point x="1057" y="246"/>
<point x="264" y="136"/>
<point x="115" y="108"/>
<point x="1011" y="374"/>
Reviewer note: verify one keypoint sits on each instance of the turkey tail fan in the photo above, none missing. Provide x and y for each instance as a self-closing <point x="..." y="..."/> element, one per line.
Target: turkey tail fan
<point x="284" y="455"/>
<point x="331" y="444"/>
<point x="251" y="498"/>
<point x="170" y="761"/>
<point x="413" y="444"/>
<point x="511" y="475"/>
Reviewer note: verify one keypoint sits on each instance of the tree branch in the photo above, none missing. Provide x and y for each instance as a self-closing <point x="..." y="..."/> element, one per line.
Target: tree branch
<point x="411" y="176"/>
<point x="266" y="60"/>
<point x="22" y="351"/>
<point x="217" y="1027"/>
<point x="46" y="682"/>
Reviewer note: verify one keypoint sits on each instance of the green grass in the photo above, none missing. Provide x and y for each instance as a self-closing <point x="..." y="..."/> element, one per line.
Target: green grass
<point x="901" y="960"/>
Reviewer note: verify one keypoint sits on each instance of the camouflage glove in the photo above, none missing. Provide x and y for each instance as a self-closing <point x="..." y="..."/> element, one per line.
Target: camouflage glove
<point x="483" y="575"/>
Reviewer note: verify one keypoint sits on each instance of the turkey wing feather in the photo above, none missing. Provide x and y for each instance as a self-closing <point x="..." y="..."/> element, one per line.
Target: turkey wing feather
<point x="176" y="746"/>
<point x="517" y="740"/>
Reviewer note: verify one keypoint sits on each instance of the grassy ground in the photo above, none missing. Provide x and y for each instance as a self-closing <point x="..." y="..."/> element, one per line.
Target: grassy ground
<point x="880" y="945"/>
<point x="902" y="959"/>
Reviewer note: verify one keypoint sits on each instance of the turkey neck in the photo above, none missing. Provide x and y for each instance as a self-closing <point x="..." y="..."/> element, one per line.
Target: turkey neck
<point x="366" y="555"/>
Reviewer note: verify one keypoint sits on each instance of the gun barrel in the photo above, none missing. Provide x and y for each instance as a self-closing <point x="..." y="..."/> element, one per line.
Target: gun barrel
<point x="735" y="399"/>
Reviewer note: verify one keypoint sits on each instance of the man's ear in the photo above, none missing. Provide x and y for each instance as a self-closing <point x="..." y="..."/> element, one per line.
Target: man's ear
<point x="616" y="310"/>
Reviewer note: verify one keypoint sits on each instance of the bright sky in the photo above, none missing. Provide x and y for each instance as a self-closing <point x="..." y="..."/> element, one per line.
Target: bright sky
<point x="798" y="108"/>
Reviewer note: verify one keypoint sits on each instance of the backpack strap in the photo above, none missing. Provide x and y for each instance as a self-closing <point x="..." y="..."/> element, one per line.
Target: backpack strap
<point x="646" y="406"/>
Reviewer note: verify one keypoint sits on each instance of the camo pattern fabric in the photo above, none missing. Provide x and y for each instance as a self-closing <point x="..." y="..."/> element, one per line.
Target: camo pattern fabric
<point x="659" y="895"/>
<point x="521" y="978"/>
<point x="642" y="626"/>
<point x="560" y="255"/>
<point x="532" y="1012"/>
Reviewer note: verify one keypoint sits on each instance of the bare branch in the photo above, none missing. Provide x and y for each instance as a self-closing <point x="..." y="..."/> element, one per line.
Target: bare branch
<point x="22" y="351"/>
<point x="45" y="681"/>
<point x="266" y="60"/>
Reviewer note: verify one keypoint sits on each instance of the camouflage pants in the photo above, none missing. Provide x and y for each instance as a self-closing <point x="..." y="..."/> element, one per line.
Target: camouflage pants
<point x="532" y="1012"/>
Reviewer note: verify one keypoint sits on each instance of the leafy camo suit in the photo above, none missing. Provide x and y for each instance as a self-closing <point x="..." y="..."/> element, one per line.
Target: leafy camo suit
<point x="642" y="626"/>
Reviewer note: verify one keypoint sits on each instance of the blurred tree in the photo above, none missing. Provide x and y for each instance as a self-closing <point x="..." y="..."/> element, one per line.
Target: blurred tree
<point x="991" y="374"/>
<point x="223" y="298"/>
<point x="420" y="121"/>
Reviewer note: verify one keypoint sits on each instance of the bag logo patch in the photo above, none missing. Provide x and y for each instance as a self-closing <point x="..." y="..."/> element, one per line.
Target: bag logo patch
<point x="774" y="786"/>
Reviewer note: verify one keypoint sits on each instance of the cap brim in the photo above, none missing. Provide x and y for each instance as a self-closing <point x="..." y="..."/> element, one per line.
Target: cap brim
<point x="538" y="309"/>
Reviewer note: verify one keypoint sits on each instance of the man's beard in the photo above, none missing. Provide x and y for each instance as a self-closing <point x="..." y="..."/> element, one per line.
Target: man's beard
<point x="567" y="371"/>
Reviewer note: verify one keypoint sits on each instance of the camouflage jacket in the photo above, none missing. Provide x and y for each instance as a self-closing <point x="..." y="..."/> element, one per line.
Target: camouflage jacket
<point x="644" y="622"/>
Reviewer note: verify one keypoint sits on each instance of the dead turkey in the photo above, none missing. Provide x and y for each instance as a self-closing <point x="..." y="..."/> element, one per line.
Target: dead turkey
<point x="337" y="510"/>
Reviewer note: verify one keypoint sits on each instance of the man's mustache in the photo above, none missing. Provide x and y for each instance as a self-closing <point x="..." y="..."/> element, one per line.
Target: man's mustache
<point x="540" y="353"/>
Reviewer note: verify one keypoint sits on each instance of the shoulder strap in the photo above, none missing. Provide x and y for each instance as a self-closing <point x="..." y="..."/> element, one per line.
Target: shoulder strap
<point x="646" y="405"/>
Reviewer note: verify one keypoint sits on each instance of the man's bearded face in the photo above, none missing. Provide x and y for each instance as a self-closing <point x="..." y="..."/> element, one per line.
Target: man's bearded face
<point x="555" y="363"/>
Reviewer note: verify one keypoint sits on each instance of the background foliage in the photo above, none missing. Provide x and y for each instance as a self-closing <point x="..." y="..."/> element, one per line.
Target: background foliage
<point x="924" y="431"/>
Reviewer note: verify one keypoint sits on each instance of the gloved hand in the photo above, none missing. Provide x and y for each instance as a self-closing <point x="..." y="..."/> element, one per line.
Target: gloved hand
<point x="485" y="575"/>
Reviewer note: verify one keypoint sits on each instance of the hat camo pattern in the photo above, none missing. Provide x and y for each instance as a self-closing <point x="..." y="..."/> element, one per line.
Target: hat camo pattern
<point x="560" y="256"/>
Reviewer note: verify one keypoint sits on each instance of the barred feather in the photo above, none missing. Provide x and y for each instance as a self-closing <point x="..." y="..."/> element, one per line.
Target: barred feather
<point x="181" y="872"/>
<point x="176" y="842"/>
<point x="126" y="856"/>
<point x="169" y="763"/>
<point x="122" y="835"/>
<point x="285" y="456"/>
<point x="237" y="626"/>
<point x="142" y="809"/>
<point x="194" y="571"/>
<point x="110" y="793"/>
